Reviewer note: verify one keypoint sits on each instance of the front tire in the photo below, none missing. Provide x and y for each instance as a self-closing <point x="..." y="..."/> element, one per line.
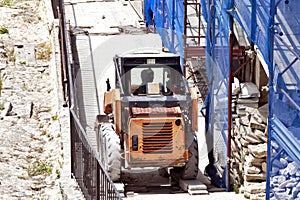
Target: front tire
<point x="190" y="170"/>
<point x="110" y="151"/>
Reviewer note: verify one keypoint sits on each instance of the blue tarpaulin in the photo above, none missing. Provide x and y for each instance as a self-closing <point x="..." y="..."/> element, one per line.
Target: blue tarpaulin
<point x="167" y="16"/>
<point x="274" y="27"/>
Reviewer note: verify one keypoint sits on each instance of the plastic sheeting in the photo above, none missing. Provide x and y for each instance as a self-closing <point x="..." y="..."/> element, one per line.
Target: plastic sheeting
<point x="274" y="26"/>
<point x="284" y="100"/>
<point x="166" y="17"/>
<point x="254" y="18"/>
<point x="218" y="69"/>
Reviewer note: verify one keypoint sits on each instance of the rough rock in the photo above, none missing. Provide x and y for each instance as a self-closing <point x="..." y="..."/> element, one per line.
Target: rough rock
<point x="264" y="167"/>
<point x="252" y="169"/>
<point x="30" y="146"/>
<point x="255" y="188"/>
<point x="256" y="125"/>
<point x="255" y="177"/>
<point x="261" y="135"/>
<point x="259" y="151"/>
<point x="250" y="159"/>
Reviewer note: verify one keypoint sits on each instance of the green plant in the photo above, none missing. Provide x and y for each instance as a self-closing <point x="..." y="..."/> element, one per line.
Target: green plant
<point x="22" y="63"/>
<point x="55" y="117"/>
<point x="57" y="173"/>
<point x="24" y="86"/>
<point x="39" y="167"/>
<point x="11" y="54"/>
<point x="7" y="3"/>
<point x="236" y="188"/>
<point x="3" y="30"/>
<point x="39" y="149"/>
<point x="22" y="177"/>
<point x="1" y="105"/>
<point x="44" y="51"/>
<point x="49" y="136"/>
<point x="44" y="132"/>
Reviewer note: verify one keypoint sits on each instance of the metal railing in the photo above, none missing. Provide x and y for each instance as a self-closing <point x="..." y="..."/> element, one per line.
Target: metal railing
<point x="93" y="180"/>
<point x="91" y="176"/>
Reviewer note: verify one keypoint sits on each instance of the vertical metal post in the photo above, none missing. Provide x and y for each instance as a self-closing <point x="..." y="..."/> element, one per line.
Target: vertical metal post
<point x="173" y="27"/>
<point x="94" y="71"/>
<point x="230" y="78"/>
<point x="97" y="184"/>
<point x="184" y="37"/>
<point x="199" y="21"/>
<point x="62" y="55"/>
<point x="270" y="44"/>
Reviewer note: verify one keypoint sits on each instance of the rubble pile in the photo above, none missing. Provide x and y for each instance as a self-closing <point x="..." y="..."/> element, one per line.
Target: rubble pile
<point x="285" y="175"/>
<point x="249" y="141"/>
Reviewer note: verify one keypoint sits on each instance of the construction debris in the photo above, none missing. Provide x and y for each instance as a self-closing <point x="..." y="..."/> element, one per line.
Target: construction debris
<point x="249" y="141"/>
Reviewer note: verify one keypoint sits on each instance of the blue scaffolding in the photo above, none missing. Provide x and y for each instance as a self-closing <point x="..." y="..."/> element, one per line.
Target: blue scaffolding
<point x="274" y="27"/>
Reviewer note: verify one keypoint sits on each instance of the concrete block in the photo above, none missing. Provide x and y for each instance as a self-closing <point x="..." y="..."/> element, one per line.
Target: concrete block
<point x="191" y="185"/>
<point x="197" y="192"/>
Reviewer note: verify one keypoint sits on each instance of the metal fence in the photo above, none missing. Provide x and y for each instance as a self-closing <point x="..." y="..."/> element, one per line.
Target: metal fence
<point x="89" y="173"/>
<point x="93" y="180"/>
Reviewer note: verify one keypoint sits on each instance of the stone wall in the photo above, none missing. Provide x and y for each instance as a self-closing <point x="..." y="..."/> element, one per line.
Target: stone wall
<point x="33" y="122"/>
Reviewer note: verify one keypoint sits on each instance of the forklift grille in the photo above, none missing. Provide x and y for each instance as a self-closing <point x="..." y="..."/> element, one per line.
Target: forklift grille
<point x="158" y="137"/>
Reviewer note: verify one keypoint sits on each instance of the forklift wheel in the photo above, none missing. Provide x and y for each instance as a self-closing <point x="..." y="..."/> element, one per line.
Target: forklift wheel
<point x="190" y="170"/>
<point x="110" y="151"/>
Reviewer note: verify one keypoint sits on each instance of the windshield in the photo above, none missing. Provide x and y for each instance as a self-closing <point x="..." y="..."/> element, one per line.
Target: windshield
<point x="167" y="79"/>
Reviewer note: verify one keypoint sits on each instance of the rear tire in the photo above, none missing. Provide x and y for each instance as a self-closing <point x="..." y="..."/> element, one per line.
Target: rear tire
<point x="110" y="151"/>
<point x="190" y="170"/>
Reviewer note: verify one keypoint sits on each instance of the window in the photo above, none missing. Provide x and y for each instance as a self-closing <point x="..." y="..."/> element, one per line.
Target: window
<point x="169" y="80"/>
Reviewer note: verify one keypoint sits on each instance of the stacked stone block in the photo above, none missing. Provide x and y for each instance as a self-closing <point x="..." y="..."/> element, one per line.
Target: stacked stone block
<point x="249" y="142"/>
<point x="249" y="152"/>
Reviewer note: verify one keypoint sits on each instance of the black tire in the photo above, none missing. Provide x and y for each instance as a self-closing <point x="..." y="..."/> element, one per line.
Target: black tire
<point x="190" y="170"/>
<point x="110" y="151"/>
